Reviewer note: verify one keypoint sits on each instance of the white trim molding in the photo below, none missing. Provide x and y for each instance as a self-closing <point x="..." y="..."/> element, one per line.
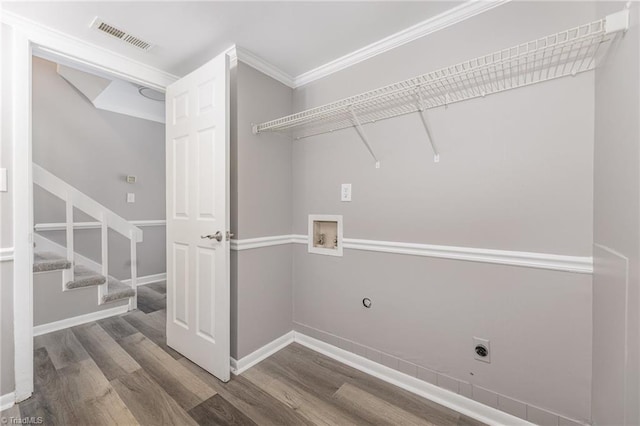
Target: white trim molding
<point x="6" y="254"/>
<point x="554" y="262"/>
<point x="7" y="401"/>
<point x="69" y="50"/>
<point x="79" y="320"/>
<point x="42" y="227"/>
<point x="237" y="53"/>
<point x="243" y="364"/>
<point x="459" y="403"/>
<point x="29" y="37"/>
<point x="412" y="384"/>
<point x="253" y="243"/>
<point x="147" y="279"/>
<point x="450" y="17"/>
<point x="22" y="188"/>
<point x="460" y="13"/>
<point x="63" y="44"/>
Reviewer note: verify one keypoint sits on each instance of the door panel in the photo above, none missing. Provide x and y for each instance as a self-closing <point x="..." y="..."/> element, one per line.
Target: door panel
<point x="181" y="178"/>
<point x="180" y="284"/>
<point x="197" y="206"/>
<point x="206" y="156"/>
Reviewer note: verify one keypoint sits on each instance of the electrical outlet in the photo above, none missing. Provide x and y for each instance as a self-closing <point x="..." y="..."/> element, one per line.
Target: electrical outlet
<point x="481" y="350"/>
<point x="345" y="194"/>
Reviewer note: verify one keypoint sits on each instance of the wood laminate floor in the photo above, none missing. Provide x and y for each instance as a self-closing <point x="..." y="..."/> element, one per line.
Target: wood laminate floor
<point x="119" y="371"/>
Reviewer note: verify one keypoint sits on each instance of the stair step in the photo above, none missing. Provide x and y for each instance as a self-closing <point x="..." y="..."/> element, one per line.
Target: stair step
<point x="82" y="276"/>
<point x="85" y="277"/>
<point x="117" y="291"/>
<point x="47" y="261"/>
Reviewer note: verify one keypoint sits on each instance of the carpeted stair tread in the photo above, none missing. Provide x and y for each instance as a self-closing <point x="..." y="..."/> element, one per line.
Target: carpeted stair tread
<point x="85" y="277"/>
<point x="47" y="261"/>
<point x="117" y="291"/>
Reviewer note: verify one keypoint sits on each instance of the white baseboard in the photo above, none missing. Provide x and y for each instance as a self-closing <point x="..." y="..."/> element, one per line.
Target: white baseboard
<point x="148" y="279"/>
<point x="7" y="401"/>
<point x="242" y="365"/>
<point x="81" y="319"/>
<point x="459" y="403"/>
<point x="419" y="387"/>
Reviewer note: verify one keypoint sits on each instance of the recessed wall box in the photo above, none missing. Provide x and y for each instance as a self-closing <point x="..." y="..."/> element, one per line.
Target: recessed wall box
<point x="325" y="234"/>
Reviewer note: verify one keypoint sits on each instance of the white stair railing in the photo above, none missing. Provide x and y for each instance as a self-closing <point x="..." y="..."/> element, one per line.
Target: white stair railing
<point x="73" y="198"/>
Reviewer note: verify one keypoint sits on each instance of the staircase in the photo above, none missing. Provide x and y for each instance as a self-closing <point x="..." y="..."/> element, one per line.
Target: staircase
<point x="76" y="276"/>
<point x="83" y="277"/>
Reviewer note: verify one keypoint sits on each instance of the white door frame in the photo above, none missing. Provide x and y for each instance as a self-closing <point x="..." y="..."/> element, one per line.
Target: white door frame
<point x="30" y="38"/>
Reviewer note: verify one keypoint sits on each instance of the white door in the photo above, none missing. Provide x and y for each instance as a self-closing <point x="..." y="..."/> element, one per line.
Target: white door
<point x="198" y="323"/>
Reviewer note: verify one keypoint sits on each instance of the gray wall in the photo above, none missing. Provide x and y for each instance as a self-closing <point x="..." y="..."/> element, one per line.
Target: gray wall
<point x="261" y="206"/>
<point x="94" y="150"/>
<point x="616" y="284"/>
<point x="6" y="223"/>
<point x="516" y="173"/>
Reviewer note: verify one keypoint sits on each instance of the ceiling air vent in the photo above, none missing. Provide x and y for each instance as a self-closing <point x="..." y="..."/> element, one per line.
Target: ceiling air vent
<point x="99" y="25"/>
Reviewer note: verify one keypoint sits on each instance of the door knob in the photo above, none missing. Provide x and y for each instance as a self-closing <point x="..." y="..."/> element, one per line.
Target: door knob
<point x="217" y="236"/>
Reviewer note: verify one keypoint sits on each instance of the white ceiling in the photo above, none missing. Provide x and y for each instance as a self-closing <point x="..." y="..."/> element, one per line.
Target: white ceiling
<point x="294" y="36"/>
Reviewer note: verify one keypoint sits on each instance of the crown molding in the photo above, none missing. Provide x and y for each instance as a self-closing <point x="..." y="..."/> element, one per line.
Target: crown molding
<point x="240" y="54"/>
<point x="66" y="49"/>
<point x="441" y="21"/>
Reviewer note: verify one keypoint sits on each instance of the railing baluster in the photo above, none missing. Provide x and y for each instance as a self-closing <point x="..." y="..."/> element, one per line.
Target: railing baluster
<point x="104" y="288"/>
<point x="133" y="302"/>
<point x="69" y="228"/>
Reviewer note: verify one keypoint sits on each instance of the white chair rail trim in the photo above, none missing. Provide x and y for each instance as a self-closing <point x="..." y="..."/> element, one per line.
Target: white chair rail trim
<point x="556" y="262"/>
<point x="6" y="254"/>
<point x="253" y="243"/>
<point x="40" y="227"/>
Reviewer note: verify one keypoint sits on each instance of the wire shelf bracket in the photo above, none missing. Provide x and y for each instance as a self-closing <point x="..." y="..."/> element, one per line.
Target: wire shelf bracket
<point x="423" y="120"/>
<point x="563" y="54"/>
<point x="363" y="136"/>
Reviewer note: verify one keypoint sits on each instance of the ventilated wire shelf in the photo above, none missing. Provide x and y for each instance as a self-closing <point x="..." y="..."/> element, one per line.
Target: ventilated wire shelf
<point x="566" y="53"/>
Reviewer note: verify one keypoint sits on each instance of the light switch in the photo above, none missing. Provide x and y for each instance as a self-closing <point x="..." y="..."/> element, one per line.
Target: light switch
<point x="3" y="180"/>
<point x="131" y="197"/>
<point x="345" y="194"/>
